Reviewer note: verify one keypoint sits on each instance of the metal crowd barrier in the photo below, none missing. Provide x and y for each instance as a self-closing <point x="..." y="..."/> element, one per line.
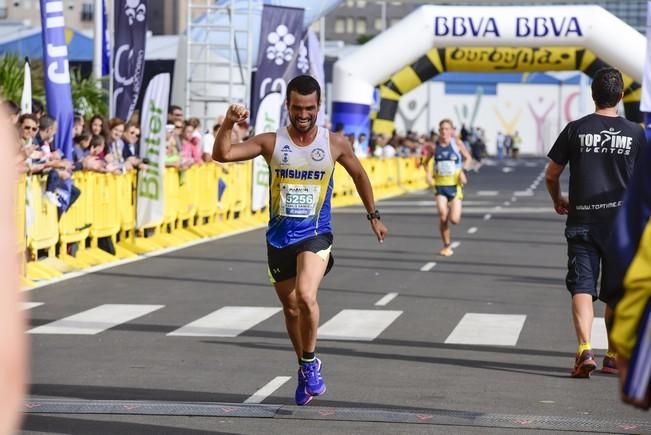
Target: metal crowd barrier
<point x="204" y="201"/>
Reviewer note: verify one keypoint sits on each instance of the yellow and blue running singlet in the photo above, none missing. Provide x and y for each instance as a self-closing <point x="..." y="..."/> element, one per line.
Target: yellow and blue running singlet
<point x="300" y="187"/>
<point x="447" y="164"/>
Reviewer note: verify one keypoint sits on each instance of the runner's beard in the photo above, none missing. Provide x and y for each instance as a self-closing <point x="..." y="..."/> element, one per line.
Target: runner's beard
<point x="295" y="124"/>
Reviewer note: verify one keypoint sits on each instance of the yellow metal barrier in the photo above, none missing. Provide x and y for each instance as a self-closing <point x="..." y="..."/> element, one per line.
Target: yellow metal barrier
<point x="42" y="232"/>
<point x="203" y="201"/>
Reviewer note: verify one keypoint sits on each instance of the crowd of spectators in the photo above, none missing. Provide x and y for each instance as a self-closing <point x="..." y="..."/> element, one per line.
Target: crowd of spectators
<point x="413" y="144"/>
<point x="105" y="145"/>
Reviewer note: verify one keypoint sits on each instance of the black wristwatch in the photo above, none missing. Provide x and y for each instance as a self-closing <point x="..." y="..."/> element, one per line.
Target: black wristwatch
<point x="374" y="215"/>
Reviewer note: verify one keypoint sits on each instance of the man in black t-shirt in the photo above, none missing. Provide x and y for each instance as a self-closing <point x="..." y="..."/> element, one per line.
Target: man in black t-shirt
<point x="601" y="149"/>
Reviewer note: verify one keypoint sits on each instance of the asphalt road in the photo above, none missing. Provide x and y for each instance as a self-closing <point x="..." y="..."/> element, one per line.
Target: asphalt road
<point x="480" y="342"/>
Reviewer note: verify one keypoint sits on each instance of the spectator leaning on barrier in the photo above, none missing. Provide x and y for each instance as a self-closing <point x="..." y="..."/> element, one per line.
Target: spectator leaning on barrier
<point x="131" y="147"/>
<point x="175" y="113"/>
<point x="28" y="125"/>
<point x="98" y="126"/>
<point x="78" y="125"/>
<point x="47" y="128"/>
<point x="115" y="145"/>
<point x="189" y="151"/>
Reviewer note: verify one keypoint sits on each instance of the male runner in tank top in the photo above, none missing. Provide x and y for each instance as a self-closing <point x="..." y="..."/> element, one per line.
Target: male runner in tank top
<point x="601" y="149"/>
<point x="449" y="179"/>
<point x="301" y="160"/>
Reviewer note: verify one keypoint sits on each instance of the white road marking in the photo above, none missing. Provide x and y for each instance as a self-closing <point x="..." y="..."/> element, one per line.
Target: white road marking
<point x="514" y="199"/>
<point x="268" y="389"/>
<point x="30" y="305"/>
<point x="599" y="336"/>
<point x="527" y="192"/>
<point x="487" y="216"/>
<point x="487" y="329"/>
<point x="95" y="320"/>
<point x="427" y="267"/>
<point x="507" y="203"/>
<point x="507" y="170"/>
<point x="466" y="210"/>
<point x="488" y="193"/>
<point x="357" y="325"/>
<point x="472" y="230"/>
<point x="388" y="297"/>
<point x="455" y="245"/>
<point x="226" y="322"/>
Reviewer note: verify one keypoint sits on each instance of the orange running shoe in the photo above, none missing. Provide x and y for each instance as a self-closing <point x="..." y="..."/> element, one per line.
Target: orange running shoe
<point x="609" y="365"/>
<point x="584" y="364"/>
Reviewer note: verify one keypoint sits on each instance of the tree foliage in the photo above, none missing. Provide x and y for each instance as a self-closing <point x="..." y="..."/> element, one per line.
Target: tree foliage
<point x="87" y="96"/>
<point x="12" y="78"/>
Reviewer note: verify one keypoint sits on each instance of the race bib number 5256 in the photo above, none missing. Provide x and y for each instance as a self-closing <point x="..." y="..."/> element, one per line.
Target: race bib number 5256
<point x="299" y="200"/>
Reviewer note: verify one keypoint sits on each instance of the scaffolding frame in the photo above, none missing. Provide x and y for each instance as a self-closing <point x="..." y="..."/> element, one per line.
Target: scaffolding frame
<point x="216" y="76"/>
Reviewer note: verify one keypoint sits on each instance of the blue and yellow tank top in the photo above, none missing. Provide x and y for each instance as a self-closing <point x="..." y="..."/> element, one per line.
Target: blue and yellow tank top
<point x="300" y="187"/>
<point x="447" y="164"/>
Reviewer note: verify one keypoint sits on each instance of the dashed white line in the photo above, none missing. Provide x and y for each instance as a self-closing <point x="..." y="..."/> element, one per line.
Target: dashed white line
<point x="487" y="193"/>
<point x="427" y="267"/>
<point x="268" y="389"/>
<point x="455" y="245"/>
<point x="487" y="216"/>
<point x="30" y="305"/>
<point x="514" y="199"/>
<point x="388" y="298"/>
<point x="507" y="203"/>
<point x="472" y="230"/>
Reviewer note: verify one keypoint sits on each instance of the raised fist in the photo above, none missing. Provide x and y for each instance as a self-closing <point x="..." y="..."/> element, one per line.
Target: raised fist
<point x="237" y="113"/>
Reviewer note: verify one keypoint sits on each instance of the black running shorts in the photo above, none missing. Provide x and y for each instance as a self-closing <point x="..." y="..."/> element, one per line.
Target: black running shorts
<point x="588" y="254"/>
<point x="282" y="261"/>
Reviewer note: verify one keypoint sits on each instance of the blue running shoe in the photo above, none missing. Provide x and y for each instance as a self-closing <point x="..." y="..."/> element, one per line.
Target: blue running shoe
<point x="302" y="397"/>
<point x="311" y="371"/>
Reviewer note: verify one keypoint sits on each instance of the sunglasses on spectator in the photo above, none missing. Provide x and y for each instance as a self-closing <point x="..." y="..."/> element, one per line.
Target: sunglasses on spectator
<point x="27" y="128"/>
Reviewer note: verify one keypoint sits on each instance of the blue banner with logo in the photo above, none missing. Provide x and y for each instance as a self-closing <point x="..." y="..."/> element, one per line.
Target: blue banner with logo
<point x="281" y="45"/>
<point x="128" y="55"/>
<point x="106" y="44"/>
<point x="57" y="73"/>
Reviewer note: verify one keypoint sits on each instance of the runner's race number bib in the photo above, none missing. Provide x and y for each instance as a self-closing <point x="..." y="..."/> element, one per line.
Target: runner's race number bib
<point x="445" y="167"/>
<point x="299" y="200"/>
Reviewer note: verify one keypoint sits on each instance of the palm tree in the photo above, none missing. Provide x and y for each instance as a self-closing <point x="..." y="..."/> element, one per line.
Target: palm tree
<point x="88" y="98"/>
<point x="12" y="78"/>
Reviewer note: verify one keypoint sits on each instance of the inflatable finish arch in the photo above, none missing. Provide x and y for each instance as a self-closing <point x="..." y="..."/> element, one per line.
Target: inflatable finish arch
<point x="496" y="59"/>
<point x="590" y="27"/>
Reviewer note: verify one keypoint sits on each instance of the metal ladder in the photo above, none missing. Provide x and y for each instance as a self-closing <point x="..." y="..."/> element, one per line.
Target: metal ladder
<point x="218" y="58"/>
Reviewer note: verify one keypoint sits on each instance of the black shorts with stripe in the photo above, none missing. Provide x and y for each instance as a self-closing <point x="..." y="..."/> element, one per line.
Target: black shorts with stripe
<point x="282" y="261"/>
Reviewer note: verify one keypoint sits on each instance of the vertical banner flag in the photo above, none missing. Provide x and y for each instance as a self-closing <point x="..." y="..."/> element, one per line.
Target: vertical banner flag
<point x="26" y="98"/>
<point x="317" y="70"/>
<point x="645" y="103"/>
<point x="267" y="120"/>
<point x="153" y="117"/>
<point x="128" y="55"/>
<point x="106" y="43"/>
<point x="280" y="37"/>
<point x="57" y="73"/>
<point x="307" y="61"/>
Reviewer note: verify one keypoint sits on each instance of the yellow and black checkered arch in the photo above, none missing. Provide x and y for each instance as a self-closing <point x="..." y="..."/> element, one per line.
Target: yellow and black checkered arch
<point x="492" y="59"/>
